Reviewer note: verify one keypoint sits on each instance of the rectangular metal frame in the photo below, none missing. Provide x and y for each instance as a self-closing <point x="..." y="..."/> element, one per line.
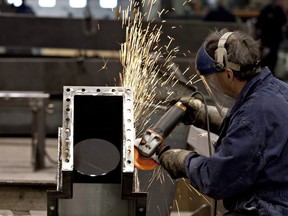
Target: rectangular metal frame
<point x="65" y="180"/>
<point x="68" y="118"/>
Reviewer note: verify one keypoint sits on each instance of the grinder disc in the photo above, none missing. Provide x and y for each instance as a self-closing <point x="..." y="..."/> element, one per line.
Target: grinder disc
<point x="143" y="163"/>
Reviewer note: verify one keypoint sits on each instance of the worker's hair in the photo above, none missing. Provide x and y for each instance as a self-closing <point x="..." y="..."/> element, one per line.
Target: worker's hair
<point x="241" y="49"/>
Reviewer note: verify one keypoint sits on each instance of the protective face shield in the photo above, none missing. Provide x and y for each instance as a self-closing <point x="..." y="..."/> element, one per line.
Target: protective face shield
<point x="207" y="68"/>
<point x="223" y="102"/>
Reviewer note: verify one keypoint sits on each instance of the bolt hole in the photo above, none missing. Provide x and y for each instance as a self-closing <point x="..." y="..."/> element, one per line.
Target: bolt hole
<point x="67" y="109"/>
<point x="129" y="161"/>
<point x="98" y="90"/>
<point x="67" y="119"/>
<point x="52" y="208"/>
<point x="68" y="99"/>
<point x="68" y="89"/>
<point x="83" y="90"/>
<point x="67" y="160"/>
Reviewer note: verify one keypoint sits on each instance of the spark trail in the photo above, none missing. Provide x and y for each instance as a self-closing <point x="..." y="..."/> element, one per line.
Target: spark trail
<point x="140" y="57"/>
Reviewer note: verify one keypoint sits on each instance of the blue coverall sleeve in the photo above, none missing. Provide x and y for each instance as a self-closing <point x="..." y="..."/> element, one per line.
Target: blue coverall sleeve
<point x="234" y="165"/>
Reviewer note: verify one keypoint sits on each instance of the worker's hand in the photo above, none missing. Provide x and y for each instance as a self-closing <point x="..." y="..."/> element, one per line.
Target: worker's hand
<point x="197" y="115"/>
<point x="194" y="103"/>
<point x="195" y="107"/>
<point x="172" y="161"/>
<point x="195" y="111"/>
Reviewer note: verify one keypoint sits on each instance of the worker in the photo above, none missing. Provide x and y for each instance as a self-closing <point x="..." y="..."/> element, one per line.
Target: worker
<point x="220" y="13"/>
<point x="249" y="168"/>
<point x="24" y="8"/>
<point x="270" y="26"/>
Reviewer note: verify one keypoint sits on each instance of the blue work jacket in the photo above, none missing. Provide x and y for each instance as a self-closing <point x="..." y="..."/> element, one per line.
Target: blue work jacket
<point x="249" y="169"/>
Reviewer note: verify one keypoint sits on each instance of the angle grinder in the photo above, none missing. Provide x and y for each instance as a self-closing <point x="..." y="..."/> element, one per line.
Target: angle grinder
<point x="147" y="148"/>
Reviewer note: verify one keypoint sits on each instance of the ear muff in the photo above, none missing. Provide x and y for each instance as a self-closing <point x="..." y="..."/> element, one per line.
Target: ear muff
<point x="221" y="52"/>
<point x="219" y="67"/>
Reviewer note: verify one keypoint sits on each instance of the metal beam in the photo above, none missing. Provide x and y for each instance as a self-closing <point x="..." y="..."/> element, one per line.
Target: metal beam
<point x="51" y="74"/>
<point x="25" y="31"/>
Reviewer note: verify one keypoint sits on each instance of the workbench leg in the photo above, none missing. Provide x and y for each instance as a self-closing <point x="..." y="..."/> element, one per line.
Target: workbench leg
<point x="38" y="136"/>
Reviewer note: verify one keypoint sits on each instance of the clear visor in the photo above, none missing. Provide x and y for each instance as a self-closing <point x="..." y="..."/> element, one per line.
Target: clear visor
<point x="223" y="102"/>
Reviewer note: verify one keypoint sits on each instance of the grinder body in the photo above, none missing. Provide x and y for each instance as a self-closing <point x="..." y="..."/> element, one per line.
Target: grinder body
<point x="153" y="137"/>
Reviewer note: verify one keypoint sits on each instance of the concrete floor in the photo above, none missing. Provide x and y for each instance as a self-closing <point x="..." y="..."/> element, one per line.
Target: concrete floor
<point x="16" y="172"/>
<point x="16" y="161"/>
<point x="16" y="169"/>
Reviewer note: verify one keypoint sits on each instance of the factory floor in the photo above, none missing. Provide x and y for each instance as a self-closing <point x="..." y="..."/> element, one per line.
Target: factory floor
<point x="18" y="180"/>
<point x="22" y="187"/>
<point x="16" y="161"/>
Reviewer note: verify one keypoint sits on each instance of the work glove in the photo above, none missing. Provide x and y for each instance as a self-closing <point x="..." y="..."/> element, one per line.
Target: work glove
<point x="194" y="106"/>
<point x="196" y="114"/>
<point x="172" y="160"/>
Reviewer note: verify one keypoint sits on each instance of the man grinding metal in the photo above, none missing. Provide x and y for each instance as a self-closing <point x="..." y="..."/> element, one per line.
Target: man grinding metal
<point x="249" y="168"/>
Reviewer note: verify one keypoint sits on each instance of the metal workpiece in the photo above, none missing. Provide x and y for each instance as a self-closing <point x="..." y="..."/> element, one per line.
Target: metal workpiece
<point x="96" y="154"/>
<point x="59" y="177"/>
<point x="69" y="93"/>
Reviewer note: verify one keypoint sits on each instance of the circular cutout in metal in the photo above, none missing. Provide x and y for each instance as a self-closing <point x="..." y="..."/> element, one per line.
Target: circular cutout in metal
<point x="95" y="157"/>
